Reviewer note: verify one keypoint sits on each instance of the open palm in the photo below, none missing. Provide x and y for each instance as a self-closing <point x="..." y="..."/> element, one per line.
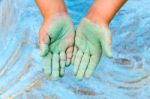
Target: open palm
<point x="56" y="41"/>
<point x="90" y="41"/>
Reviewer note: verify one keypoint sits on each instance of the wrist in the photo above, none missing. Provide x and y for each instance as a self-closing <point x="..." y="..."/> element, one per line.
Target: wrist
<point x="55" y="8"/>
<point x="97" y="19"/>
<point x="50" y="8"/>
<point x="97" y="15"/>
<point x="102" y="11"/>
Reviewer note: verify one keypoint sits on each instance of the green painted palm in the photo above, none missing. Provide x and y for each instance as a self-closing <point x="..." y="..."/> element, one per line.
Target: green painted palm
<point x="90" y="41"/>
<point x="58" y="45"/>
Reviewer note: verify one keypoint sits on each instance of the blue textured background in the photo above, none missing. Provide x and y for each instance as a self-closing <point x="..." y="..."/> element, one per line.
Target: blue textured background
<point x="126" y="76"/>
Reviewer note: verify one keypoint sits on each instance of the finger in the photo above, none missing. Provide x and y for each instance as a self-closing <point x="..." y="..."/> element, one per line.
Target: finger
<point x="68" y="62"/>
<point x="47" y="64"/>
<point x="92" y="65"/>
<point x="44" y="40"/>
<point x="62" y="63"/>
<point x="83" y="66"/>
<point x="44" y="49"/>
<point x="55" y="67"/>
<point x="106" y="42"/>
<point x="69" y="53"/>
<point x="77" y="61"/>
<point x="74" y="54"/>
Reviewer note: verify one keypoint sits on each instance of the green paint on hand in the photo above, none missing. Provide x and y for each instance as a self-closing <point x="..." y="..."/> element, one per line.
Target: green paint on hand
<point x="91" y="40"/>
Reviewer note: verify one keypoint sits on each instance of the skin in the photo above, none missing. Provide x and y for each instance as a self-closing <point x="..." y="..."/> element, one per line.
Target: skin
<point x="103" y="11"/>
<point x="56" y="37"/>
<point x="93" y="37"/>
<point x="91" y="40"/>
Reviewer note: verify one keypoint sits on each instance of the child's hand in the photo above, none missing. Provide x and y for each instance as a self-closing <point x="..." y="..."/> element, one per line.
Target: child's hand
<point x="94" y="37"/>
<point x="90" y="41"/>
<point x="56" y="37"/>
<point x="56" y="43"/>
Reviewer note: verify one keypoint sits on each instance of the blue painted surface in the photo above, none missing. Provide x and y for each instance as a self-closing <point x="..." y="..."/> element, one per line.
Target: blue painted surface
<point x="126" y="76"/>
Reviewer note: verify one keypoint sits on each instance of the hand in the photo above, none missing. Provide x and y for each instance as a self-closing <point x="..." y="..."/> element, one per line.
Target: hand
<point x="90" y="41"/>
<point x="56" y="39"/>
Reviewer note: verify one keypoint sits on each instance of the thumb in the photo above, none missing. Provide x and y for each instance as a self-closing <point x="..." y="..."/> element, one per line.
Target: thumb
<point x="44" y="41"/>
<point x="106" y="42"/>
<point x="44" y="49"/>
